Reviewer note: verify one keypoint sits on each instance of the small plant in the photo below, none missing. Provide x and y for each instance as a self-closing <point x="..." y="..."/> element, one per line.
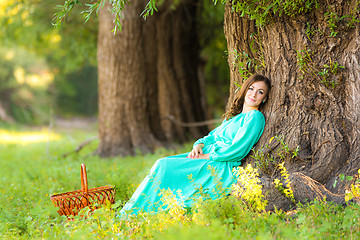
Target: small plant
<point x="354" y="191"/>
<point x="334" y="68"/>
<point x="286" y="189"/>
<point x="305" y="62"/>
<point x="260" y="52"/>
<point x="267" y="162"/>
<point x="249" y="188"/>
<point x="310" y="31"/>
<point x="245" y="64"/>
<point x="174" y="204"/>
<point x="325" y="74"/>
<point x="352" y="17"/>
<point x="332" y="19"/>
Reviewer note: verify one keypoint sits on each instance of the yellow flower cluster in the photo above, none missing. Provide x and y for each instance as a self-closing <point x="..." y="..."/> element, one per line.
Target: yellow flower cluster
<point x="249" y="187"/>
<point x="175" y="207"/>
<point x="286" y="190"/>
<point x="354" y="191"/>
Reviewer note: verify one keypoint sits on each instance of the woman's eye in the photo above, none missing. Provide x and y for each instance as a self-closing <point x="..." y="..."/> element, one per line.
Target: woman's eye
<point x="261" y="92"/>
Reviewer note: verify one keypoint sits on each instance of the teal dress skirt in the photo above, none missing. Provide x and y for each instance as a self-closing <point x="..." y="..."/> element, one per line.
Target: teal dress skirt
<point x="227" y="145"/>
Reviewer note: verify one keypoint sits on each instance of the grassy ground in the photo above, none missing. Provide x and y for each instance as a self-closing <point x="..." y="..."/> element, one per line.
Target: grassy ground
<point x="32" y="168"/>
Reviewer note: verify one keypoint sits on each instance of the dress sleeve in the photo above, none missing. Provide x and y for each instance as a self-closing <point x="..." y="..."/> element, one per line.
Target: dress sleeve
<point x="245" y="138"/>
<point x="208" y="139"/>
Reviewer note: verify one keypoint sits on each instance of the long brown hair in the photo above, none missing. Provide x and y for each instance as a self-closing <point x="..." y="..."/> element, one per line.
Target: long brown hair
<point x="237" y="105"/>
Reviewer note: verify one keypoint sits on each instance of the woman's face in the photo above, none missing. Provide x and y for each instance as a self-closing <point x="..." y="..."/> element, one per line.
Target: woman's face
<point x="255" y="95"/>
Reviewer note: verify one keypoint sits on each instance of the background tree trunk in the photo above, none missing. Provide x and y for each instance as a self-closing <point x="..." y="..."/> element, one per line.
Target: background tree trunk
<point x="147" y="72"/>
<point x="4" y="116"/>
<point x="323" y="120"/>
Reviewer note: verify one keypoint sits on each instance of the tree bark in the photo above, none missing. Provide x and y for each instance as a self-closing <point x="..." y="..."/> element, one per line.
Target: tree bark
<point x="145" y="74"/>
<point x="323" y="120"/>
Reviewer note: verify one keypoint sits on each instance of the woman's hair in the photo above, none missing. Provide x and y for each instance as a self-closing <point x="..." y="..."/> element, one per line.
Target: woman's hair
<point x="237" y="105"/>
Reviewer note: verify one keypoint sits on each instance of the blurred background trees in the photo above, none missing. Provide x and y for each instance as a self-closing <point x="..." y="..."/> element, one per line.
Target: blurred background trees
<point x="47" y="72"/>
<point x="43" y="69"/>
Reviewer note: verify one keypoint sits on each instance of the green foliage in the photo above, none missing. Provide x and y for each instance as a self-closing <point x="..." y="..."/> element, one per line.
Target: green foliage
<point x="267" y="159"/>
<point x="334" y="67"/>
<point x="63" y="10"/>
<point x="264" y="11"/>
<point x="305" y="63"/>
<point x="352" y="18"/>
<point x="354" y="191"/>
<point x="149" y="9"/>
<point x="310" y="31"/>
<point x="286" y="189"/>
<point x="24" y="78"/>
<point x="249" y="188"/>
<point x="333" y="19"/>
<point x="326" y="74"/>
<point x="246" y="65"/>
<point x="33" y="50"/>
<point x="116" y="7"/>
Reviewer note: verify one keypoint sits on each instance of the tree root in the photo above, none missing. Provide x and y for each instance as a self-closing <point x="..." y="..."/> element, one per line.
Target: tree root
<point x="305" y="190"/>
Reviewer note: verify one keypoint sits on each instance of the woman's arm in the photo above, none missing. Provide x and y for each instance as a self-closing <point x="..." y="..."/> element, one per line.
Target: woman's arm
<point x="245" y="138"/>
<point x="208" y="139"/>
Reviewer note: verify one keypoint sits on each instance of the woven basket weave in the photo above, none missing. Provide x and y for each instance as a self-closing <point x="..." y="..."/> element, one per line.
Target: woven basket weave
<point x="70" y="203"/>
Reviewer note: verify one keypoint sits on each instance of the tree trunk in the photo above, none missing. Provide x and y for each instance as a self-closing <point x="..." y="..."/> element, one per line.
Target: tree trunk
<point x="4" y="116"/>
<point x="145" y="75"/>
<point x="320" y="115"/>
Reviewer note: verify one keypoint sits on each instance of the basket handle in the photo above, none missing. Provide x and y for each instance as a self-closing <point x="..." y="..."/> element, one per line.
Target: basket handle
<point x="84" y="183"/>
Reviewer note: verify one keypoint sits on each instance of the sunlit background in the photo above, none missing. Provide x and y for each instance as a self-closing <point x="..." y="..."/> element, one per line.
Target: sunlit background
<point x="45" y="72"/>
<point x="25" y="138"/>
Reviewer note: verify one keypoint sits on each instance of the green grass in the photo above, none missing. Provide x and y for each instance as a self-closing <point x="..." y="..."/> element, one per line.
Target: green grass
<point x="31" y="172"/>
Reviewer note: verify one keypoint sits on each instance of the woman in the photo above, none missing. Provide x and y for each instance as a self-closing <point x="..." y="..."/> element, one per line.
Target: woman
<point x="222" y="149"/>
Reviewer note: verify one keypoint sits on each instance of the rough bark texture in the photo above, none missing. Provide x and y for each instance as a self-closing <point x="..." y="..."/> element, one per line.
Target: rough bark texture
<point x="323" y="120"/>
<point x="147" y="72"/>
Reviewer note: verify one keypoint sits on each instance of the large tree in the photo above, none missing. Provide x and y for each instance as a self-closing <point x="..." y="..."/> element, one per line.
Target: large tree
<point x="310" y="50"/>
<point x="148" y="73"/>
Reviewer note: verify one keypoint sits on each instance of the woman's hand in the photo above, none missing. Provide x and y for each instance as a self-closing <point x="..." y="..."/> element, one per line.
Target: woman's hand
<point x="196" y="151"/>
<point x="204" y="156"/>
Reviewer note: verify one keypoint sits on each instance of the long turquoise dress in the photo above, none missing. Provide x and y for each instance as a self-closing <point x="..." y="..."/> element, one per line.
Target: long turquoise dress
<point x="227" y="145"/>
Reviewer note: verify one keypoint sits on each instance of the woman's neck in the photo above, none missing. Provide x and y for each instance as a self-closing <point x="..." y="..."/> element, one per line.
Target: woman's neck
<point x="247" y="109"/>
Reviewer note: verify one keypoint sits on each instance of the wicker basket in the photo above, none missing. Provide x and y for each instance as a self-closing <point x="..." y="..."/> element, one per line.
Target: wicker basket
<point x="70" y="203"/>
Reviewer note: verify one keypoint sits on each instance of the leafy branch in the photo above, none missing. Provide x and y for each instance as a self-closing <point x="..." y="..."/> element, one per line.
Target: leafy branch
<point x="116" y="7"/>
<point x="62" y="11"/>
